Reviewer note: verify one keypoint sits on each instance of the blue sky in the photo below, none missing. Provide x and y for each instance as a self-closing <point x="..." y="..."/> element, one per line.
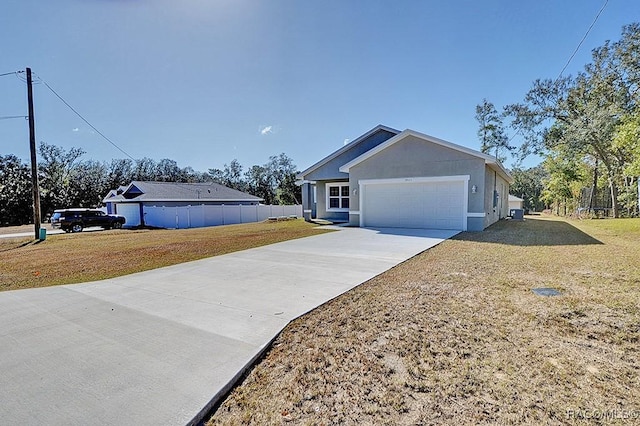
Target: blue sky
<point x="205" y="81"/>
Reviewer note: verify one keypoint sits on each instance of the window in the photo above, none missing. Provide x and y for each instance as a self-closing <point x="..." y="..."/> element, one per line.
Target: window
<point x="338" y="196"/>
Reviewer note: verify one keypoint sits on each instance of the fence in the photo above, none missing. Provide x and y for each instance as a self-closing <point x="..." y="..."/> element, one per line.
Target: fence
<point x="205" y="215"/>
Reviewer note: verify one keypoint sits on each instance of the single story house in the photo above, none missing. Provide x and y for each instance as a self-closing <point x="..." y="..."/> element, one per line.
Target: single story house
<point x="515" y="202"/>
<point x="132" y="201"/>
<point x="406" y="179"/>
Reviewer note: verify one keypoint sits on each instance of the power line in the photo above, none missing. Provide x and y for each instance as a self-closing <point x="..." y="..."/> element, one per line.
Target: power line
<point x="9" y="117"/>
<point x="583" y="38"/>
<point x="85" y="120"/>
<point x="10" y="73"/>
<point x="572" y="55"/>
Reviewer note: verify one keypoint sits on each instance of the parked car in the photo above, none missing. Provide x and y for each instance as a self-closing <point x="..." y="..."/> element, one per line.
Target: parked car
<point x="75" y="220"/>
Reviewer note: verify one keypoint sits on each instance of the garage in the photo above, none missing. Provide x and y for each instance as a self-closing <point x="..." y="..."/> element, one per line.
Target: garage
<point x="427" y="202"/>
<point x="131" y="211"/>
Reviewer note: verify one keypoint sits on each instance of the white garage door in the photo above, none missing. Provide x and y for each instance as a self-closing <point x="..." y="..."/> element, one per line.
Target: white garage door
<point x="131" y="211"/>
<point x="414" y="204"/>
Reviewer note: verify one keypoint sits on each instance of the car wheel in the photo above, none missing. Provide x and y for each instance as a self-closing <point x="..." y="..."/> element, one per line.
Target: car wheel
<point x="76" y="227"/>
<point x="116" y="225"/>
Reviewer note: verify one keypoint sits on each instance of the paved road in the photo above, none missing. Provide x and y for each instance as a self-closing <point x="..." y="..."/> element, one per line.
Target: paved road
<point x="160" y="347"/>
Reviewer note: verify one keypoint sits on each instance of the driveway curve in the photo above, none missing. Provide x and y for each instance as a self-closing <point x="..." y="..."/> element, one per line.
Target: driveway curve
<point x="162" y="346"/>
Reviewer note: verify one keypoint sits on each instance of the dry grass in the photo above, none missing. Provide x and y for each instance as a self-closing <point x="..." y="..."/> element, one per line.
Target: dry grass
<point x="456" y="336"/>
<point x="89" y="256"/>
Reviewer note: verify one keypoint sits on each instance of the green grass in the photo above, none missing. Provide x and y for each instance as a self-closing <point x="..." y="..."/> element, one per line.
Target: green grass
<point x="456" y="336"/>
<point x="91" y="256"/>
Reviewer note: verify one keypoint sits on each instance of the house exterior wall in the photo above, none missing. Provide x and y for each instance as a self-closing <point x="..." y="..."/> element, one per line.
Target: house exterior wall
<point x="413" y="157"/>
<point x="496" y="200"/>
<point x="515" y="204"/>
<point x="321" y="203"/>
<point x="330" y="173"/>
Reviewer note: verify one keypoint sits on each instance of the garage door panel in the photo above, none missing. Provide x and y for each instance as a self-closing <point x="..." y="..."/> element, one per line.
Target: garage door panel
<point x="131" y="212"/>
<point x="438" y="205"/>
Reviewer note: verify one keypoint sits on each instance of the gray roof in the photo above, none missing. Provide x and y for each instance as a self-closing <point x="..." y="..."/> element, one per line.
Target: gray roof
<point x="176" y="191"/>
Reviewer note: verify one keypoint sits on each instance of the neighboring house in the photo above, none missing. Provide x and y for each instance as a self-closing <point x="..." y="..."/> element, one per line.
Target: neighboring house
<point x="135" y="200"/>
<point x="515" y="202"/>
<point x="388" y="178"/>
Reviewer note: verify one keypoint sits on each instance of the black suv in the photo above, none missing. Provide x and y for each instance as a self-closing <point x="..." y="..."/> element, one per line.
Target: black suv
<point x="75" y="220"/>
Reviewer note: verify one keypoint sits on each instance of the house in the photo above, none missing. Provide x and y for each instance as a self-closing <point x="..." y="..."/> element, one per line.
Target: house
<point x="137" y="200"/>
<point x="406" y="179"/>
<point x="515" y="202"/>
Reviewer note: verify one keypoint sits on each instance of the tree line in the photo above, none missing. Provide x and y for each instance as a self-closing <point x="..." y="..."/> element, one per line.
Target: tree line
<point x="67" y="180"/>
<point x="586" y="127"/>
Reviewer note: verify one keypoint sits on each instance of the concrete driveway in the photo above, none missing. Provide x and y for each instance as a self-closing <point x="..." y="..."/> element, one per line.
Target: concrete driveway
<point x="161" y="347"/>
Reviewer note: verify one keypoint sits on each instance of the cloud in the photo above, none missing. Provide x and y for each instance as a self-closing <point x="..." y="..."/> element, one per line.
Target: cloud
<point x="75" y="129"/>
<point x="266" y="130"/>
<point x="346" y="141"/>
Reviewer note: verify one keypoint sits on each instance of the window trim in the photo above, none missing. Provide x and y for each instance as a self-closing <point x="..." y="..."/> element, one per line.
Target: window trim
<point x="339" y="185"/>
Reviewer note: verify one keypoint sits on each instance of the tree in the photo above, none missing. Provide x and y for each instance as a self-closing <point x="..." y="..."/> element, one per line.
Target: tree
<point x="89" y="184"/>
<point x="627" y="142"/>
<point x="529" y="184"/>
<point x="168" y="171"/>
<point x="491" y="131"/>
<point x="16" y="206"/>
<point x="580" y="115"/>
<point x="119" y="172"/>
<point x="145" y="169"/>
<point x="564" y="182"/>
<point x="275" y="181"/>
<point x="260" y="183"/>
<point x="283" y="172"/>
<point x="56" y="170"/>
<point x="231" y="176"/>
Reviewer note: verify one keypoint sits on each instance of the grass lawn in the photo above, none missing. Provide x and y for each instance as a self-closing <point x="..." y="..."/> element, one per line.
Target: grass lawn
<point x="456" y="336"/>
<point x="89" y="256"/>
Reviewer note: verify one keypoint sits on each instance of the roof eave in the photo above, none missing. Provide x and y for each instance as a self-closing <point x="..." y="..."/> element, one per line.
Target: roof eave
<point x="498" y="167"/>
<point x="350" y="145"/>
<point x="408" y="132"/>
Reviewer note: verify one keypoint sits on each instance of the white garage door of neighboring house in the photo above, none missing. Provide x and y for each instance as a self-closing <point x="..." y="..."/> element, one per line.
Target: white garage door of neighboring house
<point x="131" y="211"/>
<point x="414" y="203"/>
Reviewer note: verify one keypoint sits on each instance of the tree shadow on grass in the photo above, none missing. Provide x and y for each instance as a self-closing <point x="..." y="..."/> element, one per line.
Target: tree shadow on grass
<point x="531" y="232"/>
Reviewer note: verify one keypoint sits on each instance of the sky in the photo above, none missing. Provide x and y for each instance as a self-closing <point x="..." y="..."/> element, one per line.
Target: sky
<point x="203" y="82"/>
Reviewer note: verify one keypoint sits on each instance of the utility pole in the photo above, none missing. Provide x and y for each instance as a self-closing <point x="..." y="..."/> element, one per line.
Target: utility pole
<point x="34" y="165"/>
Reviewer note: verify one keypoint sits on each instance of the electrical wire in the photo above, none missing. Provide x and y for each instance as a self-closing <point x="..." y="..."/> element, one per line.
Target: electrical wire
<point x="21" y="78"/>
<point x="84" y="119"/>
<point x="9" y="73"/>
<point x="583" y="38"/>
<point x="586" y="34"/>
<point x="9" y="117"/>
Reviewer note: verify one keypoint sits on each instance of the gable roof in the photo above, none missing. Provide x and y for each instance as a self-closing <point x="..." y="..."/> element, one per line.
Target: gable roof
<point x="138" y="191"/>
<point x="345" y="148"/>
<point x="492" y="162"/>
<point x="514" y="198"/>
